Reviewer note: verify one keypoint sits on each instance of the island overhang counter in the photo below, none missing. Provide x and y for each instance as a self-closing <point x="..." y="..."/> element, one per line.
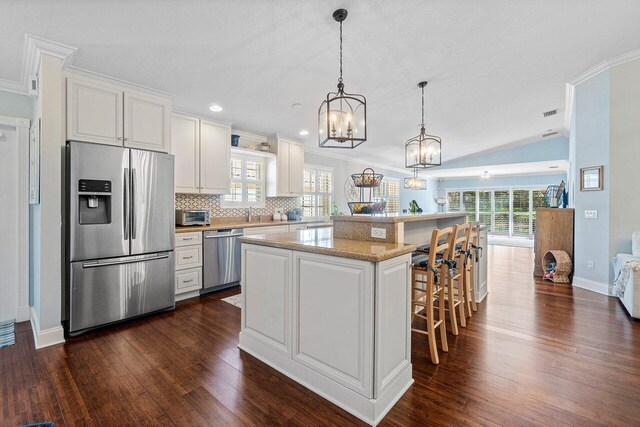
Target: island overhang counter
<point x="332" y="314"/>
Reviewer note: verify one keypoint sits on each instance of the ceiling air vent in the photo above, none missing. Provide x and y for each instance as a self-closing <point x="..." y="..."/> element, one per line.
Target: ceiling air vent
<point x="549" y="133"/>
<point x="550" y="113"/>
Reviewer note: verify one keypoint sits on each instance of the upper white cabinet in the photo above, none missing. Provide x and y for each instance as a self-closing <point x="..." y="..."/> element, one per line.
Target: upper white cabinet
<point x="106" y="114"/>
<point x="202" y="151"/>
<point x="215" y="158"/>
<point x="185" y="146"/>
<point x="147" y="123"/>
<point x="94" y="112"/>
<point x="286" y="172"/>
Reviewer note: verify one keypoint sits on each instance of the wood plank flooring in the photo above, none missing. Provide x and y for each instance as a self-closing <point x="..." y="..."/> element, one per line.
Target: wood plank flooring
<point x="534" y="354"/>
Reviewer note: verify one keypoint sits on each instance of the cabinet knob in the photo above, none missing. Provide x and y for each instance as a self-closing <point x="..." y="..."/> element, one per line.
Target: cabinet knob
<point x="119" y="138"/>
<point x="126" y="139"/>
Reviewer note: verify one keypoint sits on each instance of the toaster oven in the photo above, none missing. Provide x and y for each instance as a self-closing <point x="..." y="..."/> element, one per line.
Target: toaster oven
<point x="193" y="217"/>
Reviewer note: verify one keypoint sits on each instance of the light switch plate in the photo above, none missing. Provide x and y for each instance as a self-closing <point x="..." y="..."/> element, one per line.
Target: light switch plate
<point x="591" y="214"/>
<point x="379" y="233"/>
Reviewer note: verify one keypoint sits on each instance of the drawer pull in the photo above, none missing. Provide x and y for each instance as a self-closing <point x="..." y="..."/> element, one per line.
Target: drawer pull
<point x="187" y="238"/>
<point x="187" y="281"/>
<point x="187" y="257"/>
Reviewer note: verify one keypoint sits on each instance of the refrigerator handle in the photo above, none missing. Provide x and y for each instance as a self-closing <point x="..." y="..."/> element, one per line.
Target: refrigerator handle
<point x="125" y="205"/>
<point x="133" y="203"/>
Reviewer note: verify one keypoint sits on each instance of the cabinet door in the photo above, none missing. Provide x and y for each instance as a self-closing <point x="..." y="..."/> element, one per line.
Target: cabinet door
<point x="284" y="159"/>
<point x="185" y="146"/>
<point x="188" y="280"/>
<point x="215" y="158"/>
<point x="94" y="112"/>
<point x="147" y="122"/>
<point x="296" y="169"/>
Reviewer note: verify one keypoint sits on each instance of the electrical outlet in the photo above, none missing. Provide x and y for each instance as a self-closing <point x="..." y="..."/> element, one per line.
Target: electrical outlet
<point x="591" y="266"/>
<point x="591" y="214"/>
<point x="379" y="233"/>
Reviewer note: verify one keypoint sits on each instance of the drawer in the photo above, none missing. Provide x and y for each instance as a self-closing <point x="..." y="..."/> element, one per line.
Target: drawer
<point x="188" y="257"/>
<point x="188" y="239"/>
<point x="296" y="227"/>
<point x="188" y="280"/>
<point x="266" y="230"/>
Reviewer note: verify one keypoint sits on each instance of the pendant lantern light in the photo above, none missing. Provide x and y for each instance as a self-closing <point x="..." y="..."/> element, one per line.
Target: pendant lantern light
<point x="342" y="117"/>
<point x="415" y="182"/>
<point x="423" y="151"/>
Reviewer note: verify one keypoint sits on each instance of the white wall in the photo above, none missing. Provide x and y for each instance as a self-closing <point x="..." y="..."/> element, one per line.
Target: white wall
<point x="9" y="244"/>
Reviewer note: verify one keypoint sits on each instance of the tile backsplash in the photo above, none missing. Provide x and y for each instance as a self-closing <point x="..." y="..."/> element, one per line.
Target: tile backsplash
<point x="213" y="203"/>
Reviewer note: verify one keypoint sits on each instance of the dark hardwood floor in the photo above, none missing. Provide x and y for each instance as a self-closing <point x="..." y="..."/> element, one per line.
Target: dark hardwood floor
<point x="534" y="354"/>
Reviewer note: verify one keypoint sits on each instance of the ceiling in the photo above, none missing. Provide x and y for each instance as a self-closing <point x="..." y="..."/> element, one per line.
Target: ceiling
<point x="493" y="66"/>
<point x="550" y="167"/>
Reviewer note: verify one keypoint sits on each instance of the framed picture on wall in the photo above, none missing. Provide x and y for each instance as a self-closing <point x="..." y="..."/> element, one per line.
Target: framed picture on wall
<point x="592" y="178"/>
<point x="34" y="163"/>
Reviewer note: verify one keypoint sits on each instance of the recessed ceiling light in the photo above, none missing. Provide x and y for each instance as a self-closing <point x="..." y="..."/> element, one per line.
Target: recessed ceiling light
<point x="296" y="105"/>
<point x="304" y="132"/>
<point x="215" y="108"/>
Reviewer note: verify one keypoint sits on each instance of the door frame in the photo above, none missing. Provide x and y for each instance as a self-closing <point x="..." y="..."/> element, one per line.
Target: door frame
<point x="22" y="135"/>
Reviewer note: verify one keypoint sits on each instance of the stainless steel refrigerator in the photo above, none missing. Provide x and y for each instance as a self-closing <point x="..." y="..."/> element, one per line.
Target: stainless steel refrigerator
<point x="120" y="229"/>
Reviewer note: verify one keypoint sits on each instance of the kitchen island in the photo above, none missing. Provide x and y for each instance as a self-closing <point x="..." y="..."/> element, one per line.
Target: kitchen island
<point x="332" y="314"/>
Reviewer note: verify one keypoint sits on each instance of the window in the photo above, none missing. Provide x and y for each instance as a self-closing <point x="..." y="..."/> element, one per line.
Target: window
<point x="247" y="183"/>
<point x="510" y="212"/>
<point x="318" y="188"/>
<point x="389" y="191"/>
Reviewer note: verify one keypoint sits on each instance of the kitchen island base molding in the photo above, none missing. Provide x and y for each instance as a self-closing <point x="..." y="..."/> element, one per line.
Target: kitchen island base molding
<point x="371" y="411"/>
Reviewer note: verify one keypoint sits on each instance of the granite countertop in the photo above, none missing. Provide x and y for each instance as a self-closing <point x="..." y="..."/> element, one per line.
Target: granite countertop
<point x="401" y="217"/>
<point x="321" y="241"/>
<point x="241" y="224"/>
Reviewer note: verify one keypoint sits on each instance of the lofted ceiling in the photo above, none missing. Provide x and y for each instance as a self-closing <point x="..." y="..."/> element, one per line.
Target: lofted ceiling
<point x="493" y="66"/>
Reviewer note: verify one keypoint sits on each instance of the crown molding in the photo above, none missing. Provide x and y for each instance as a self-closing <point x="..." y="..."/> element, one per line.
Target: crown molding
<point x="590" y="73"/>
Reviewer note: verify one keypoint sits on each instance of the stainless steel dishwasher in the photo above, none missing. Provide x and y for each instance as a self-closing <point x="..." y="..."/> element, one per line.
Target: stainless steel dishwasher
<point x="221" y="259"/>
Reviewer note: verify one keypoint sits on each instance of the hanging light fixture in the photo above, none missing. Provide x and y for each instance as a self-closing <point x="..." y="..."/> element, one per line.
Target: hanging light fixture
<point x="485" y="175"/>
<point x="424" y="150"/>
<point x="414" y="182"/>
<point x="342" y="117"/>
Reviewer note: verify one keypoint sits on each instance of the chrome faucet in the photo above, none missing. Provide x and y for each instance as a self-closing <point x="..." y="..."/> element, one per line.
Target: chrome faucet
<point x="250" y="216"/>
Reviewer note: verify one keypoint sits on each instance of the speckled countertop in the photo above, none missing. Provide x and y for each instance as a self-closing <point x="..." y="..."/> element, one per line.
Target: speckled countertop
<point x="241" y="224"/>
<point x="401" y="217"/>
<point x="321" y="241"/>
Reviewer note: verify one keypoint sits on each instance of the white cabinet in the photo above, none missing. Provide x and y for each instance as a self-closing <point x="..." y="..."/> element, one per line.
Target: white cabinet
<point x="202" y="151"/>
<point x="285" y="173"/>
<point x="94" y="112"/>
<point x="266" y="296"/>
<point x="297" y="227"/>
<point x="185" y="146"/>
<point x="272" y="229"/>
<point x="106" y="114"/>
<point x="215" y="158"/>
<point x="188" y="256"/>
<point x="147" y="122"/>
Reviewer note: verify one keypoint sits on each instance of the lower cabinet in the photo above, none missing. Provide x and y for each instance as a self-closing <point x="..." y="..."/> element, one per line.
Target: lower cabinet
<point x="343" y="319"/>
<point x="188" y="255"/>
<point x="270" y="229"/>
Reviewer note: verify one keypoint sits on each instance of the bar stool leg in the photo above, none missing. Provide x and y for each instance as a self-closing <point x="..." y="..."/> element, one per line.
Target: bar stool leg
<point x="441" y="318"/>
<point x="467" y="291"/>
<point x="452" y="305"/>
<point x="431" y="332"/>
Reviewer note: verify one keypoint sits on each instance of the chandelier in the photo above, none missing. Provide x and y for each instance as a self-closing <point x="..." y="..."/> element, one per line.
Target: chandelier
<point x="424" y="150"/>
<point x="415" y="182"/>
<point x="342" y="116"/>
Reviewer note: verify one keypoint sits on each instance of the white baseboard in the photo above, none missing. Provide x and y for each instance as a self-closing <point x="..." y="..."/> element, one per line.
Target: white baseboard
<point x="23" y="313"/>
<point x="591" y="285"/>
<point x="47" y="337"/>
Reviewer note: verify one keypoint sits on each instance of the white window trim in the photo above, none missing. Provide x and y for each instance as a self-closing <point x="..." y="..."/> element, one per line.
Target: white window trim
<point x="317" y="193"/>
<point x="511" y="233"/>
<point x="225" y="204"/>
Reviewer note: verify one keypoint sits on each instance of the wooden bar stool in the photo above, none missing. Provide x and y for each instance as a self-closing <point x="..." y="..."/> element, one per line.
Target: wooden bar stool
<point x="455" y="278"/>
<point x="426" y="291"/>
<point x="470" y="267"/>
